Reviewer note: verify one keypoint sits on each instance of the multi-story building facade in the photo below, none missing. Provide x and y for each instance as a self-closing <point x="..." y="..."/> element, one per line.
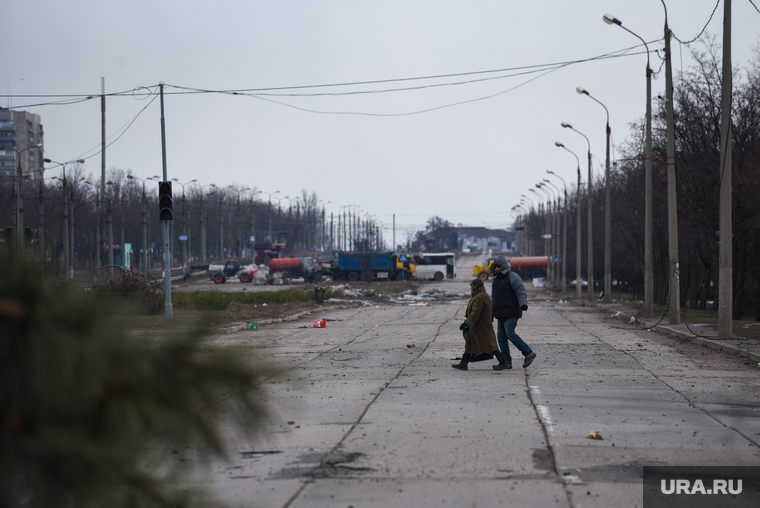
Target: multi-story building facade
<point x="20" y="130"/>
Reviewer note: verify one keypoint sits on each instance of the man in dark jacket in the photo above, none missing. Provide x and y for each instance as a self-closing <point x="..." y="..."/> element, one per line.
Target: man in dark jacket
<point x="508" y="301"/>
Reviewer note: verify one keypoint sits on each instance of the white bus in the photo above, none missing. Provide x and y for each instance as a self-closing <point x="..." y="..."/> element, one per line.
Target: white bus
<point x="436" y="266"/>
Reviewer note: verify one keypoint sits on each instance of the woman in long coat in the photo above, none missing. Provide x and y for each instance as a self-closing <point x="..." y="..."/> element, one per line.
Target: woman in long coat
<point x="477" y="328"/>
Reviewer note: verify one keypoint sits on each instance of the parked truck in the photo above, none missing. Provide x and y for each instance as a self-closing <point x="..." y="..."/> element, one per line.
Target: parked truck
<point x="292" y="268"/>
<point x="220" y="273"/>
<point x="353" y="266"/>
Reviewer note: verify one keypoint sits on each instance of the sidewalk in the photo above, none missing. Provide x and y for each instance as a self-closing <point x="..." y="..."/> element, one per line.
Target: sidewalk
<point x="747" y="348"/>
<point x="696" y="333"/>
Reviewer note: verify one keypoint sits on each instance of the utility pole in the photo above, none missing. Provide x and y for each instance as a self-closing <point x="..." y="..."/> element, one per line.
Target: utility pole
<point x="168" y="309"/>
<point x="42" y="218"/>
<point x="145" y="234"/>
<point x="675" y="285"/>
<point x="103" y="177"/>
<point x="725" y="263"/>
<point x="221" y="226"/>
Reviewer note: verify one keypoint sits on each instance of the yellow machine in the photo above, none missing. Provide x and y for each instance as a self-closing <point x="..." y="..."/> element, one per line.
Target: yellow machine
<point x="407" y="266"/>
<point x="483" y="271"/>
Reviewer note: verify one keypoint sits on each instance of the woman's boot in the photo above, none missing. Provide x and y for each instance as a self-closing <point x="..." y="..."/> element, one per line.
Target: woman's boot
<point x="462" y="365"/>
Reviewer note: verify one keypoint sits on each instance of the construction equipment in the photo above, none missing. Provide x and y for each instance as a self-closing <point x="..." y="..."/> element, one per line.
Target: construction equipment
<point x="220" y="273"/>
<point x="483" y="271"/>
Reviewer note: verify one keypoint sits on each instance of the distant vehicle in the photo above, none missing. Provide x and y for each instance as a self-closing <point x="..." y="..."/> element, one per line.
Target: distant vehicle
<point x="352" y="266"/>
<point x="526" y="267"/>
<point x="483" y="271"/>
<point x="529" y="267"/>
<point x="291" y="268"/>
<point x="436" y="266"/>
<point x="220" y="273"/>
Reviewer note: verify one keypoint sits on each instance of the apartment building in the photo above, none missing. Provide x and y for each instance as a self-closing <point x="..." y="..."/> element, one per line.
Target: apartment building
<point x="20" y="130"/>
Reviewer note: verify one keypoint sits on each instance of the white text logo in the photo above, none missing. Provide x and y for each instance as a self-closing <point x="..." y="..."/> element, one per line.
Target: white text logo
<point x="686" y="487"/>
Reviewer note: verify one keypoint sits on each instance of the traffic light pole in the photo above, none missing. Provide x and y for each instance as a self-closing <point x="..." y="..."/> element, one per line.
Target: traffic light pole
<point x="168" y="309"/>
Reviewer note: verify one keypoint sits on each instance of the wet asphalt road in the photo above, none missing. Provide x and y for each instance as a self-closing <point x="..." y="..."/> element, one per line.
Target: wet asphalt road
<point x="368" y="412"/>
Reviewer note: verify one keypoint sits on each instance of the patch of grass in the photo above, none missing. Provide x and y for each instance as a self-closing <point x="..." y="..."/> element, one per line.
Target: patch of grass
<point x="218" y="301"/>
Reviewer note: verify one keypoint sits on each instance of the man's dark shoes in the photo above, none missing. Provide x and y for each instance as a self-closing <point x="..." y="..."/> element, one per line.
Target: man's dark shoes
<point x="502" y="366"/>
<point x="529" y="359"/>
<point x="460" y="366"/>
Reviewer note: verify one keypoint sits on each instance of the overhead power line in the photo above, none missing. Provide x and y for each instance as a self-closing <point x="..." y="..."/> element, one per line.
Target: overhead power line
<point x="137" y="91"/>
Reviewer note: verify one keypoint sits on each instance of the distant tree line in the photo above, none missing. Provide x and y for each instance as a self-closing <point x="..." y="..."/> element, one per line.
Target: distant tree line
<point x="232" y="215"/>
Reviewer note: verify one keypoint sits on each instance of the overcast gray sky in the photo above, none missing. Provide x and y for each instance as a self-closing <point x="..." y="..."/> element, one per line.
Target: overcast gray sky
<point x="464" y="151"/>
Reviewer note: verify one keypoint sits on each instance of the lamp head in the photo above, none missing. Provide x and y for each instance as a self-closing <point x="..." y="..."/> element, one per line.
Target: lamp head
<point x="559" y="144"/>
<point x="566" y="125"/>
<point x="611" y="20"/>
<point x="550" y="171"/>
<point x="580" y="90"/>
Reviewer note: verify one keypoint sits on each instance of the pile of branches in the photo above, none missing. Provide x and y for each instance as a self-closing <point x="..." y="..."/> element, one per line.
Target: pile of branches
<point x="146" y="294"/>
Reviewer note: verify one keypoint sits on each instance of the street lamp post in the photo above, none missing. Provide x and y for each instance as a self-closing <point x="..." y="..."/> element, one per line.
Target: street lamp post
<point x="549" y="231"/>
<point x="221" y="225"/>
<point x="184" y="222"/>
<point x="648" y="221"/>
<point x="564" y="235"/>
<point x="239" y="218"/>
<point x="203" y="223"/>
<point x="279" y="213"/>
<point x="144" y="261"/>
<point x="528" y="232"/>
<point x="19" y="199"/>
<point x="607" y="209"/>
<point x="252" y="236"/>
<point x="590" y="239"/>
<point x="72" y="245"/>
<point x="540" y="208"/>
<point x="577" y="224"/>
<point x="556" y="226"/>
<point x="270" y="194"/>
<point x="68" y="250"/>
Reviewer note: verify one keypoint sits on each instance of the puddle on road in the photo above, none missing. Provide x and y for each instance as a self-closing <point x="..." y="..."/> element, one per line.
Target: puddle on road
<point x="256" y="455"/>
<point x="319" y="465"/>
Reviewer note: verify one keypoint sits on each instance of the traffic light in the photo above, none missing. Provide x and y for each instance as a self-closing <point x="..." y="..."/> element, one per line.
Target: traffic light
<point x="165" y="205"/>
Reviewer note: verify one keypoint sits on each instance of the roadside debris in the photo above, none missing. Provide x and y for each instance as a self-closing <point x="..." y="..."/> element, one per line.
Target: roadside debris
<point x="594" y="435"/>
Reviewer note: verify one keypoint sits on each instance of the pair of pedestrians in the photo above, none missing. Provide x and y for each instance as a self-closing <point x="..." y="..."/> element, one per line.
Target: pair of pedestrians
<point x="507" y="303"/>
